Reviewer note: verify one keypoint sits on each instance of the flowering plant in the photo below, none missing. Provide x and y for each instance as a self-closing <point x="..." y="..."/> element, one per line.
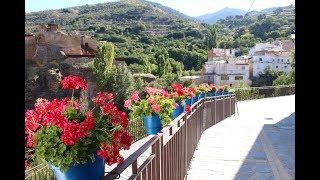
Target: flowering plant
<point x="220" y="89"/>
<point x="202" y="88"/>
<point x="189" y="92"/>
<point x="64" y="134"/>
<point x="157" y="101"/>
<point x="212" y="88"/>
<point x="177" y="93"/>
<point x="226" y="88"/>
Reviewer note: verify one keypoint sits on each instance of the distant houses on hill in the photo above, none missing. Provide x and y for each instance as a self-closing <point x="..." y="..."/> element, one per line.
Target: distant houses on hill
<point x="223" y="67"/>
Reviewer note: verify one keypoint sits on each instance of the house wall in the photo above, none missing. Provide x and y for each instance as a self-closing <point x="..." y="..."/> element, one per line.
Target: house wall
<point x="277" y="63"/>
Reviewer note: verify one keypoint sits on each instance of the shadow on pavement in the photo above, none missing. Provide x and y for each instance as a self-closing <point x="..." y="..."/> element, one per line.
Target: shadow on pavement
<point x="281" y="138"/>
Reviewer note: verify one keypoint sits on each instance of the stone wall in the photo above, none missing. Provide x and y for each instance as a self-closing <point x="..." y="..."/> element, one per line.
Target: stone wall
<point x="30" y="47"/>
<point x="44" y="82"/>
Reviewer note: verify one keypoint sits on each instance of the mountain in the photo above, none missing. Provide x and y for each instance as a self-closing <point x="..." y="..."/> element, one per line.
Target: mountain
<point x="221" y="14"/>
<point x="157" y="18"/>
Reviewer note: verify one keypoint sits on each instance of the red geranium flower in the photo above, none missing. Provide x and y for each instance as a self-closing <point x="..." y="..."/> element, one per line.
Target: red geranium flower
<point x="188" y="108"/>
<point x="73" y="82"/>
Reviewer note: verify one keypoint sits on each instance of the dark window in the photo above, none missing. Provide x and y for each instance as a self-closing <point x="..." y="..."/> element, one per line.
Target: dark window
<point x="276" y="66"/>
<point x="224" y="77"/>
<point x="238" y="78"/>
<point x="260" y="59"/>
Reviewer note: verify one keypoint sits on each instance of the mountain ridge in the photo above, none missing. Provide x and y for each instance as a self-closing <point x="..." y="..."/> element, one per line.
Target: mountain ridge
<point x="211" y="18"/>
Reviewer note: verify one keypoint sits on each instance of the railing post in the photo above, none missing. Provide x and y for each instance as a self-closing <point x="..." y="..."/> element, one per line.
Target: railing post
<point x="186" y="143"/>
<point x="157" y="150"/>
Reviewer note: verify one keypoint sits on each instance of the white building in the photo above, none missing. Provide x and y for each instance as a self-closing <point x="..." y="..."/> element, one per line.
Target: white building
<point x="275" y="55"/>
<point x="226" y="69"/>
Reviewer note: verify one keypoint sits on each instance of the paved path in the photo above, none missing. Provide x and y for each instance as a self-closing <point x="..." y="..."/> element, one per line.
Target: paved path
<point x="257" y="144"/>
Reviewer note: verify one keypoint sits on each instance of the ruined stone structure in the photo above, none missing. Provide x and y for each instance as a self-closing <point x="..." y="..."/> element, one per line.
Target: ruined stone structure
<point x="50" y="44"/>
<point x="51" y="54"/>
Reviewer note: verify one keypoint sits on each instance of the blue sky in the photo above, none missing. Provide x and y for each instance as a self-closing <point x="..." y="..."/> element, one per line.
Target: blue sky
<point x="189" y="7"/>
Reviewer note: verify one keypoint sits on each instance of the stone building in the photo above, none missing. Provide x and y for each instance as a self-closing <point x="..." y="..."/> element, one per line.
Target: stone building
<point x="50" y="44"/>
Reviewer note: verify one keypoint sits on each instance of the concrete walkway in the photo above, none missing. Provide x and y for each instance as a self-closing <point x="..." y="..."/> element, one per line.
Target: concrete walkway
<point x="257" y="144"/>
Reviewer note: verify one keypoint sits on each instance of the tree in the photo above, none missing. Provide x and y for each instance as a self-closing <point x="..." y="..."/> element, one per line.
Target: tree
<point x="211" y="37"/>
<point x="281" y="80"/>
<point x="177" y="67"/>
<point x="123" y="86"/>
<point x="267" y="77"/>
<point x="164" y="66"/>
<point x="103" y="67"/>
<point x="140" y="84"/>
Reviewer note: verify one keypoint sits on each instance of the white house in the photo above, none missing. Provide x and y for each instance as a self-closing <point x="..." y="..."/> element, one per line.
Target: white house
<point x="228" y="70"/>
<point x="275" y="55"/>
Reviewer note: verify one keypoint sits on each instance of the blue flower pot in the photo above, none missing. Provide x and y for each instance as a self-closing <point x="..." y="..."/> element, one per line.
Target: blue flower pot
<point x="194" y="99"/>
<point x="152" y="124"/>
<point x="225" y="93"/>
<point x="200" y="96"/>
<point x="218" y="93"/>
<point x="188" y="102"/>
<point x="210" y="94"/>
<point x="90" y="170"/>
<point x="177" y="111"/>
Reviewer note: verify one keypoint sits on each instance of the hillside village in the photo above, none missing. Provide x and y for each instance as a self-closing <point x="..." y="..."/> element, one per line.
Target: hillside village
<point x="223" y="67"/>
<point x="58" y="42"/>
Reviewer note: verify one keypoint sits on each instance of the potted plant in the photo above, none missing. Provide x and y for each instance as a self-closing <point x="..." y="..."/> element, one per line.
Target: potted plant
<point x="177" y="94"/>
<point x="202" y="89"/>
<point x="195" y="98"/>
<point x="189" y="95"/>
<point x="74" y="141"/>
<point x="220" y="91"/>
<point x="212" y="90"/>
<point x="155" y="109"/>
<point x="226" y="90"/>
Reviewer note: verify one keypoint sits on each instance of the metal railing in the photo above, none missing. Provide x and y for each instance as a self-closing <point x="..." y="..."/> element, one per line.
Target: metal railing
<point x="172" y="149"/>
<point x="39" y="172"/>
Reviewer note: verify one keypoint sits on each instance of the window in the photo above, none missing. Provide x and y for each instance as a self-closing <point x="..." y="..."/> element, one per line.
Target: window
<point x="243" y="67"/>
<point x="238" y="78"/>
<point x="224" y="77"/>
<point x="285" y="67"/>
<point x="277" y="67"/>
<point x="260" y="59"/>
<point x="281" y="60"/>
<point x="278" y="60"/>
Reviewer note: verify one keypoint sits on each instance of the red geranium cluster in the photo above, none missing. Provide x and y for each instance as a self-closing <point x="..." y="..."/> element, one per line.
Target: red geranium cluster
<point x="60" y="113"/>
<point x="177" y="91"/>
<point x="121" y="139"/>
<point x="73" y="82"/>
<point x="155" y="91"/>
<point x="52" y="113"/>
<point x="105" y="101"/>
<point x="189" y="92"/>
<point x="111" y="153"/>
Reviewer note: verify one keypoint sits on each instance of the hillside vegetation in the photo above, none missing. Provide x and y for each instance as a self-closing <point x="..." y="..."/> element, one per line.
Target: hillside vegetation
<point x="150" y="36"/>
